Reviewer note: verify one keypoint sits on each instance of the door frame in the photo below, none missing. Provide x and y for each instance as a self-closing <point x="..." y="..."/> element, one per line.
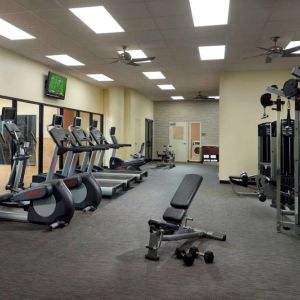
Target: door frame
<point x="190" y="140"/>
<point x="148" y="139"/>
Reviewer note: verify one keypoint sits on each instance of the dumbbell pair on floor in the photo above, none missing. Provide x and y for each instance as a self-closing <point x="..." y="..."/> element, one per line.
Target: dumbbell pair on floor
<point x="189" y="258"/>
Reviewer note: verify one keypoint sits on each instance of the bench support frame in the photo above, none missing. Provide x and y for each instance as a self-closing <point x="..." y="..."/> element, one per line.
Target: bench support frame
<point x="158" y="235"/>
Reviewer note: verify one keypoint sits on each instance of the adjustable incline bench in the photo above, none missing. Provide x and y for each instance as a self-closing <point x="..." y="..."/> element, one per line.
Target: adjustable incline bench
<point x="172" y="228"/>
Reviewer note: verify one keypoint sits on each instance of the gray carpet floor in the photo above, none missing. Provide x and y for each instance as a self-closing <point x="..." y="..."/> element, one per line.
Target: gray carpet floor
<point x="101" y="255"/>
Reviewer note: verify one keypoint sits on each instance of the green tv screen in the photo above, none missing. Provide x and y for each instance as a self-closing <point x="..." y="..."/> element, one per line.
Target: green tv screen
<point x="56" y="86"/>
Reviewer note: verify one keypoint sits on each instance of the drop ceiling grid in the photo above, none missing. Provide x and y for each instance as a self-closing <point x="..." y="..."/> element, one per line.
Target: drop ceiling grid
<point x="162" y="28"/>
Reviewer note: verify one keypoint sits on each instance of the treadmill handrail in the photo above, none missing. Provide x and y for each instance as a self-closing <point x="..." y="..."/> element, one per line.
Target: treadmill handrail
<point x="123" y="145"/>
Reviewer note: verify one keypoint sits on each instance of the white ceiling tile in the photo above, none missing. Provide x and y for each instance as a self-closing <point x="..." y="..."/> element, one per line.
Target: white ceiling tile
<point x="139" y="24"/>
<point x="161" y="28"/>
<point x="23" y="19"/>
<point x="127" y="11"/>
<point x="79" y="3"/>
<point x="169" y="8"/>
<point x="175" y="22"/>
<point x="38" y="4"/>
<point x="9" y="6"/>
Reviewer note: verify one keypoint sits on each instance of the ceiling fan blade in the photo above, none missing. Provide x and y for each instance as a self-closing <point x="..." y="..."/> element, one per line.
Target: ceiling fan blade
<point x="201" y="98"/>
<point x="268" y="60"/>
<point x="290" y="50"/>
<point x="143" y="59"/>
<point x="132" y="63"/>
<point x="262" y="48"/>
<point x="291" y="55"/>
<point x="109" y="58"/>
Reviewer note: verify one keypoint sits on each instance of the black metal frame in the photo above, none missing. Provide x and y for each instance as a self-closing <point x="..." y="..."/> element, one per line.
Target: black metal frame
<point x="41" y="123"/>
<point x="147" y="122"/>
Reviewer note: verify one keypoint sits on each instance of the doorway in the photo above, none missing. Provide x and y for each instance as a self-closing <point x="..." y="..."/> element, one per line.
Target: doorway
<point x="148" y="139"/>
<point x="185" y="139"/>
<point x="178" y="139"/>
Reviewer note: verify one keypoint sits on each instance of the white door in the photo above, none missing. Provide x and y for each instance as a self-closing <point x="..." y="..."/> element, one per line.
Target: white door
<point x="178" y="139"/>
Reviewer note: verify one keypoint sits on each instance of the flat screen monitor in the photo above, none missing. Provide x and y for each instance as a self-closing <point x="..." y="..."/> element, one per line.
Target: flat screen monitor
<point x="55" y="86"/>
<point x="77" y="122"/>
<point x="58" y="120"/>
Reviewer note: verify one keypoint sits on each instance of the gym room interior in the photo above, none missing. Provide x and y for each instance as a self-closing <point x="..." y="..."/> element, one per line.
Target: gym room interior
<point x="141" y="155"/>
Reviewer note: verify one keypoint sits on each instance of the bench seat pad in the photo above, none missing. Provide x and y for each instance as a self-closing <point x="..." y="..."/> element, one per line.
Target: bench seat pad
<point x="174" y="215"/>
<point x="186" y="191"/>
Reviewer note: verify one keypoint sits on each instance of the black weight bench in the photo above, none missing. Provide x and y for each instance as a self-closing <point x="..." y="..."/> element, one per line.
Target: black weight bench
<point x="172" y="228"/>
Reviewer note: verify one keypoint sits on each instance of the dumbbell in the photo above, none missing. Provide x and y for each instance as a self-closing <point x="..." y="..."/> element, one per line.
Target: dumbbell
<point x="187" y="257"/>
<point x="244" y="176"/>
<point x="193" y="253"/>
<point x="207" y="255"/>
<point x="262" y="197"/>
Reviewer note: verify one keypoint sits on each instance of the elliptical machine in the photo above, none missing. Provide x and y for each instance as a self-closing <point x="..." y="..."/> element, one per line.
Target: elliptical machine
<point x="49" y="203"/>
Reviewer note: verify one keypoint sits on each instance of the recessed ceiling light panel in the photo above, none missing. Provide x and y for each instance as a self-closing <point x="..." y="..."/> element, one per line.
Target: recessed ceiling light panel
<point x="166" y="86"/>
<point x="97" y="18"/>
<point x="154" y="75"/>
<point x="293" y="44"/>
<point x="65" y="60"/>
<point x="212" y="52"/>
<point x="177" y="97"/>
<point x="99" y="77"/>
<point x="209" y="12"/>
<point x="214" y="97"/>
<point x="12" y="32"/>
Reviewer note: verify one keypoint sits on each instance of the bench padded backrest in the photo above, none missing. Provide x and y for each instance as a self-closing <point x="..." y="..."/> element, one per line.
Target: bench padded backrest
<point x="186" y="191"/>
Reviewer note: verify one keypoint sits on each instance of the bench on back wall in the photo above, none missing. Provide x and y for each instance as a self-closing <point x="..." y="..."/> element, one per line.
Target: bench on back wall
<point x="210" y="153"/>
<point x="174" y="227"/>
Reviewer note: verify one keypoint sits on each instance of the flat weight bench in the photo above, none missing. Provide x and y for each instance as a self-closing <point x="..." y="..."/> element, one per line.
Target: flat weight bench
<point x="172" y="228"/>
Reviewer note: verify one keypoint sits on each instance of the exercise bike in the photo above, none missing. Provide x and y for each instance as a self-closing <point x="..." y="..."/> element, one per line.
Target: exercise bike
<point x="49" y="203"/>
<point x="167" y="157"/>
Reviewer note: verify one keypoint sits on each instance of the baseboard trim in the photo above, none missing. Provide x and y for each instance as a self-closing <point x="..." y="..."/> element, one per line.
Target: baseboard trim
<point x="224" y="182"/>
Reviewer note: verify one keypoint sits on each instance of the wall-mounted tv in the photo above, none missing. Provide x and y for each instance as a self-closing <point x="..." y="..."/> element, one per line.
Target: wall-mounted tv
<point x="55" y="86"/>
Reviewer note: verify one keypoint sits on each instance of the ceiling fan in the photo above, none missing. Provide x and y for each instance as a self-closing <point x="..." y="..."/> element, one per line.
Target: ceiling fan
<point x="126" y="58"/>
<point x="276" y="51"/>
<point x="201" y="96"/>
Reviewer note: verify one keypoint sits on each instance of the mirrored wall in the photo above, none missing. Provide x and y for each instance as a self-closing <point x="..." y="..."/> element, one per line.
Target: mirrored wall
<point x="33" y="120"/>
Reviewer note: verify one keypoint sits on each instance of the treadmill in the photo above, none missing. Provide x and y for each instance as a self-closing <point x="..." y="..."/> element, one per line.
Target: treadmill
<point x="108" y="188"/>
<point x="99" y="139"/>
<point x="82" y="138"/>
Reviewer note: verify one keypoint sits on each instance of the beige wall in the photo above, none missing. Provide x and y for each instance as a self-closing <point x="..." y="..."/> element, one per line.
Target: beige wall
<point x="126" y="110"/>
<point x="139" y="108"/>
<point x="25" y="79"/>
<point x="240" y="113"/>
